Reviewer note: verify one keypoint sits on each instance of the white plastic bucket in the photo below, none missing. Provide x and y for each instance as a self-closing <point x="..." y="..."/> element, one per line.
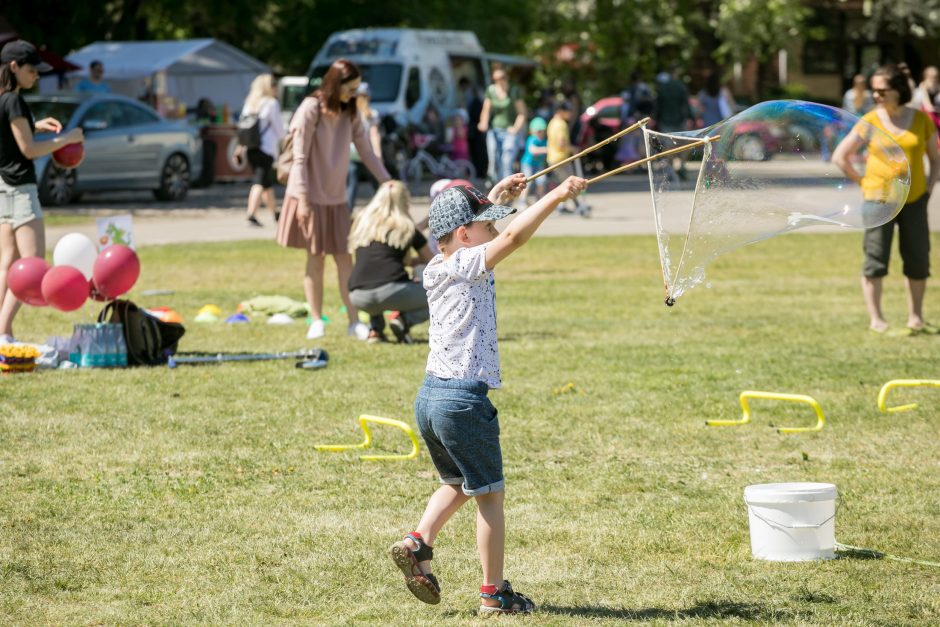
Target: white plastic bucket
<point x="792" y="522"/>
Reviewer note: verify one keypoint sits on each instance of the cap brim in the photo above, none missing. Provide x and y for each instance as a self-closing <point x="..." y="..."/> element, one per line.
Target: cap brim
<point x="494" y="212"/>
<point x="43" y="67"/>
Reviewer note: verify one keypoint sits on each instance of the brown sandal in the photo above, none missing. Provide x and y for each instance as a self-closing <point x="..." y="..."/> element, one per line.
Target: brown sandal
<point x="422" y="585"/>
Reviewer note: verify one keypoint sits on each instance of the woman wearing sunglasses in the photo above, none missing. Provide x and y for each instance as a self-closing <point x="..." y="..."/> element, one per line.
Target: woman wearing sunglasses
<point x="915" y="133"/>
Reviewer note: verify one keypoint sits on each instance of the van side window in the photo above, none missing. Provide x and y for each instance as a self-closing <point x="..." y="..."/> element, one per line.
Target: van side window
<point x="413" y="92"/>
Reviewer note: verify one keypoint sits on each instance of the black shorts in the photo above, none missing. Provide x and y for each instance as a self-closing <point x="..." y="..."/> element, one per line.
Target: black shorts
<point x="262" y="165"/>
<point x="913" y="242"/>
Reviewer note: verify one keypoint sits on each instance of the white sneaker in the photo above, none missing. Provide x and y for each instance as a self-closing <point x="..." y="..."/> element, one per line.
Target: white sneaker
<point x="7" y="339"/>
<point x="315" y="330"/>
<point x="358" y="330"/>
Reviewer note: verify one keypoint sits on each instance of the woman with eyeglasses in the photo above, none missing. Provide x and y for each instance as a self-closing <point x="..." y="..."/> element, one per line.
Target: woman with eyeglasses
<point x="502" y="119"/>
<point x="315" y="214"/>
<point x="915" y="133"/>
<point x="22" y="230"/>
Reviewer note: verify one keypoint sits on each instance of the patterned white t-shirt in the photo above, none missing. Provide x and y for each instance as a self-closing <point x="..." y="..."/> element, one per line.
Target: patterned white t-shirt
<point x="462" y="302"/>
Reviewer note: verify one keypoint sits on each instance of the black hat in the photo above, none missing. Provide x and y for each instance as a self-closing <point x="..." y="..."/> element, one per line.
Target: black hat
<point x="23" y="53"/>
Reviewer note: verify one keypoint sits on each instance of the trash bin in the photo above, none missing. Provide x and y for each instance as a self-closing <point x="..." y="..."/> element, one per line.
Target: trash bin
<point x="224" y="138"/>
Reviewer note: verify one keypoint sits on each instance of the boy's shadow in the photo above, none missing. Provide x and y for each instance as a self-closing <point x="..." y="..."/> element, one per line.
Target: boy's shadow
<point x="705" y="609"/>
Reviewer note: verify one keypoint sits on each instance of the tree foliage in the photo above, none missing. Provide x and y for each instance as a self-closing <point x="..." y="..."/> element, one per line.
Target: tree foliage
<point x="597" y="43"/>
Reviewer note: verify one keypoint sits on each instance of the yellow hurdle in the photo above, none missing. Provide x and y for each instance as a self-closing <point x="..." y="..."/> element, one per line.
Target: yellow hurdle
<point x="774" y="396"/>
<point x="902" y="383"/>
<point x="364" y="421"/>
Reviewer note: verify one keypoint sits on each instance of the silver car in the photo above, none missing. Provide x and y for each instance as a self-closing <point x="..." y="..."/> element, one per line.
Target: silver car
<point x="127" y="146"/>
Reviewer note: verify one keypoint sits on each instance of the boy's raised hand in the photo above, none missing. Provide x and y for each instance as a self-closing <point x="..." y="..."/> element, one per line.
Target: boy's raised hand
<point x="507" y="190"/>
<point x="571" y="187"/>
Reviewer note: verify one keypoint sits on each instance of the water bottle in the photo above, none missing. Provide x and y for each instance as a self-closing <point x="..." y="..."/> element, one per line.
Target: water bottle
<point x="120" y="346"/>
<point x="75" y="346"/>
<point x="86" y="346"/>
<point x="109" y="358"/>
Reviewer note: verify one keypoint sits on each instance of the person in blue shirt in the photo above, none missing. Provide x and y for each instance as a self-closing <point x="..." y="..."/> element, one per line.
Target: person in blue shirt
<point x="95" y="81"/>
<point x="534" y="157"/>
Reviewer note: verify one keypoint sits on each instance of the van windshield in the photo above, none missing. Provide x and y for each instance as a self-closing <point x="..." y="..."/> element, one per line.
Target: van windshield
<point x="384" y="79"/>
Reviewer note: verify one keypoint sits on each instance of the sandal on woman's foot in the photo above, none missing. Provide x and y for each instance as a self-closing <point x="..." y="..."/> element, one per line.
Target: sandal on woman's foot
<point x="510" y="602"/>
<point x="423" y="585"/>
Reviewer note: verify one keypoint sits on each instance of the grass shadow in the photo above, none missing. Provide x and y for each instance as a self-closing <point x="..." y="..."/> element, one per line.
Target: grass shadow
<point x="705" y="609"/>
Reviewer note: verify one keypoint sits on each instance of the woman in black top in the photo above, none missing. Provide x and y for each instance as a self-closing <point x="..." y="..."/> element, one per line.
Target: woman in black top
<point x="382" y="234"/>
<point x="22" y="231"/>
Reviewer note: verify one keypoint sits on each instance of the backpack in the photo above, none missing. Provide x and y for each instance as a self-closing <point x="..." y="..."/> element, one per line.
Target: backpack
<point x="286" y="158"/>
<point x="149" y="340"/>
<point x="249" y="131"/>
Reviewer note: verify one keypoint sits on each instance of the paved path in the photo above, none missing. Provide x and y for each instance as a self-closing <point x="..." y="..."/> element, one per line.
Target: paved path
<point x="621" y="205"/>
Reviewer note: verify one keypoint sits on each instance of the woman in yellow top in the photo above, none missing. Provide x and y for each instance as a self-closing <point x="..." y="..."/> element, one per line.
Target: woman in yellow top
<point x="914" y="132"/>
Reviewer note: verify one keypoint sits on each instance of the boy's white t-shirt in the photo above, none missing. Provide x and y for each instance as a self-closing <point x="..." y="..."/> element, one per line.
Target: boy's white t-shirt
<point x="462" y="331"/>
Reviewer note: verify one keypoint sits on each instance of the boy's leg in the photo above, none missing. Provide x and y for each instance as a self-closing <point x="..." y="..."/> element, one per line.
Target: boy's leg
<point x="445" y="501"/>
<point x="491" y="536"/>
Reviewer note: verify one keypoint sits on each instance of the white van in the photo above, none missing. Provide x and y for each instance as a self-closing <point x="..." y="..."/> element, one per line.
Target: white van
<point x="408" y="69"/>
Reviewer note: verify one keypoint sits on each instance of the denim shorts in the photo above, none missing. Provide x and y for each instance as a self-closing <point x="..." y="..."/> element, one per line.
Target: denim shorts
<point x="461" y="430"/>
<point x="19" y="204"/>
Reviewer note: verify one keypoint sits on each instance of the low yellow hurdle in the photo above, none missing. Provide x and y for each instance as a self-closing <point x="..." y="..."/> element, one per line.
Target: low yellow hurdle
<point x="364" y="421"/>
<point x="902" y="383"/>
<point x="774" y="396"/>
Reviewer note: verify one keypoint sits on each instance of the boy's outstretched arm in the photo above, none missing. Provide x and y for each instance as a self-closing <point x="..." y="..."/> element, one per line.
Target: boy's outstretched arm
<point x="524" y="226"/>
<point x="507" y="190"/>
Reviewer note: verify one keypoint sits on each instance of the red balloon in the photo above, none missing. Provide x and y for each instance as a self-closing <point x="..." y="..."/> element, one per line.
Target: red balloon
<point x="24" y="279"/>
<point x="94" y="293"/>
<point x="116" y="270"/>
<point x="65" y="288"/>
<point x="69" y="156"/>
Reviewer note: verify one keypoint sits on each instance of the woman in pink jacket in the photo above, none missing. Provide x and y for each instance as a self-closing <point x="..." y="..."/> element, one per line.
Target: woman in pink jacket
<point x="315" y="215"/>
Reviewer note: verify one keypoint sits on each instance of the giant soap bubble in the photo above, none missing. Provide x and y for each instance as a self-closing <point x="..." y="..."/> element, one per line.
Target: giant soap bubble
<point x="770" y="172"/>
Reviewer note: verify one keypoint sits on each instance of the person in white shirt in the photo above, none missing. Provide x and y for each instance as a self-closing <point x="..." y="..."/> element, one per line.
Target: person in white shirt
<point x="457" y="421"/>
<point x="262" y="103"/>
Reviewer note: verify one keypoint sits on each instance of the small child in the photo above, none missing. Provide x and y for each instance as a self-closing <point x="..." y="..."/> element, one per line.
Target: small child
<point x="534" y="158"/>
<point x="457" y="420"/>
<point x="559" y="149"/>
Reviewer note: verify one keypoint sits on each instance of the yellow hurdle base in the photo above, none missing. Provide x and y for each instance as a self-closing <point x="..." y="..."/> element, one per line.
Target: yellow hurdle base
<point x="773" y="396"/>
<point x="364" y="421"/>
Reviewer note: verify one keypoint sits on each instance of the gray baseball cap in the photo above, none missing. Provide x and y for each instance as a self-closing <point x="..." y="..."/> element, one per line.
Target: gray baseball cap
<point x="459" y="205"/>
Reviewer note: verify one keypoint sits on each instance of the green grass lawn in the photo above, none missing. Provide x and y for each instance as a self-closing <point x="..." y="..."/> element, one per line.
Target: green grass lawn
<point x="157" y="496"/>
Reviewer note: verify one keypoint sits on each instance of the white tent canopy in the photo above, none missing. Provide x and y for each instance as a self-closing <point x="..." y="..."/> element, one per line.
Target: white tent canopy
<point x="186" y="70"/>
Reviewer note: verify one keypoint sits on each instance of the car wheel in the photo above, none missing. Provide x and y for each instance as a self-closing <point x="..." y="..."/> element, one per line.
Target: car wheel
<point x="57" y="186"/>
<point x="174" y="179"/>
<point x="749" y="148"/>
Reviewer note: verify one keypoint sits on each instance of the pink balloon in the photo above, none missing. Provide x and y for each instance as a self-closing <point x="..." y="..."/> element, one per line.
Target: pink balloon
<point x="65" y="288"/>
<point x="25" y="280"/>
<point x="116" y="270"/>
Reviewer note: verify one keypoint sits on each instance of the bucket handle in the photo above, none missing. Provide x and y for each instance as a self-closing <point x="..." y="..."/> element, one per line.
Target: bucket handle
<point x="800" y="526"/>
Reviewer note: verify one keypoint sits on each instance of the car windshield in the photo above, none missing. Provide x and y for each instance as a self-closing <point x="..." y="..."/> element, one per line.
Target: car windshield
<point x="58" y="109"/>
<point x="384" y="79"/>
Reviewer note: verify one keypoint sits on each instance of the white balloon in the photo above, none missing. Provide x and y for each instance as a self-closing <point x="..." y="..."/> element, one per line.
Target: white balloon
<point x="78" y="251"/>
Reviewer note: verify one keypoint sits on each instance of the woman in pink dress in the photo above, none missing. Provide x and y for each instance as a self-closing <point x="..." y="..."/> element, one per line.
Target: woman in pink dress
<point x="315" y="215"/>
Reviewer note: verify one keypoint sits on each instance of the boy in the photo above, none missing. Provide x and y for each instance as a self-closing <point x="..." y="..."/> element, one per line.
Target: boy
<point x="456" y="419"/>
<point x="533" y="158"/>
<point x="559" y="149"/>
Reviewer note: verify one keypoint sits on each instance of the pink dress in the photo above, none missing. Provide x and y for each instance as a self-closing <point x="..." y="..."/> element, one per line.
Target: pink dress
<point x="318" y="173"/>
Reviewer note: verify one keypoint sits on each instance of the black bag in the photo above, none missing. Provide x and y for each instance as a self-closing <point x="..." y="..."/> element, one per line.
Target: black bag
<point x="249" y="131"/>
<point x="149" y="340"/>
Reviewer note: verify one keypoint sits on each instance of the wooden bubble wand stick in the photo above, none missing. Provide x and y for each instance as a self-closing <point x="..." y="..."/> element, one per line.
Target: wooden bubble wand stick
<point x="613" y="137"/>
<point x="665" y="153"/>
